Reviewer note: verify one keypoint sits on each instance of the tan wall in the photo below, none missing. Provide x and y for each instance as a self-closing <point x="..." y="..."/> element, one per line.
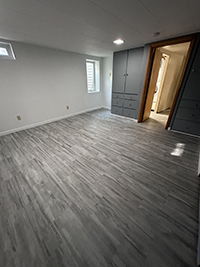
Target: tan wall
<point x="171" y="79"/>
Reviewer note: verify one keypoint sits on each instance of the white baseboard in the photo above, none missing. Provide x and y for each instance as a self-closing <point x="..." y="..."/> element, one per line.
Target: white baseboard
<point x="47" y="121"/>
<point x="106" y="107"/>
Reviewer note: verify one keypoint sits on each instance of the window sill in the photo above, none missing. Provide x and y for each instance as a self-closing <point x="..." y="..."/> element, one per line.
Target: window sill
<point x="93" y="92"/>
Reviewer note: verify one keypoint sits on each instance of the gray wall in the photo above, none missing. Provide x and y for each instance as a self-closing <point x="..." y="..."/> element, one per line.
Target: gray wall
<point x="39" y="85"/>
<point x="142" y="77"/>
<point x="107" y="81"/>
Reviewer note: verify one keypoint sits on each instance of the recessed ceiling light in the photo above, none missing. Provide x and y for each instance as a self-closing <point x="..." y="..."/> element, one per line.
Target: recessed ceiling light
<point x="118" y="41"/>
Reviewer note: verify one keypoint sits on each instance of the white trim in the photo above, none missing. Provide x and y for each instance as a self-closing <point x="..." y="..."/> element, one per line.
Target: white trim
<point x="106" y="107"/>
<point x="47" y="121"/>
<point x="198" y="174"/>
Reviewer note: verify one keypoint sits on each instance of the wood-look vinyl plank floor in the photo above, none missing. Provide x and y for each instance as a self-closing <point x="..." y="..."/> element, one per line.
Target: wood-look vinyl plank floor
<point x="98" y="190"/>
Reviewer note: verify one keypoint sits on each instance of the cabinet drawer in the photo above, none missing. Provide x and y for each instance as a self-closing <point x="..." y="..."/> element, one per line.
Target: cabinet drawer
<point x="190" y="104"/>
<point x="130" y="104"/>
<point x="131" y="97"/>
<point x="188" y="114"/>
<point x="129" y="113"/>
<point x="186" y="126"/>
<point x="114" y="95"/>
<point x="116" y="110"/>
<point x="117" y="102"/>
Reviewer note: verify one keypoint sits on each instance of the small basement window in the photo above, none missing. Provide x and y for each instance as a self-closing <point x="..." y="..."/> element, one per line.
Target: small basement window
<point x="93" y="75"/>
<point x="6" y="51"/>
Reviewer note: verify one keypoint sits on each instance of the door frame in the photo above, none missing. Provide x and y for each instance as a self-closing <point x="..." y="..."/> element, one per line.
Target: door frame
<point x="152" y="49"/>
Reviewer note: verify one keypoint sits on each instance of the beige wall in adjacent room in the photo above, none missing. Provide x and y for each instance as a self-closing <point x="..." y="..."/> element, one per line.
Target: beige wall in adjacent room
<point x="171" y="79"/>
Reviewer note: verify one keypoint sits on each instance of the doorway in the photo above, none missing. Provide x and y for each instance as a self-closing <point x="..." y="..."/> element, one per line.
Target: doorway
<point x="165" y="71"/>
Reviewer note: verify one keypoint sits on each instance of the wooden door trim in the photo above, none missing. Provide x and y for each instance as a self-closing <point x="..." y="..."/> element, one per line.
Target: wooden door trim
<point x="153" y="47"/>
<point x="152" y="84"/>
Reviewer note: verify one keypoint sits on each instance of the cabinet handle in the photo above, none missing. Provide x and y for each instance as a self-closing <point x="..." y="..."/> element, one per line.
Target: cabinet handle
<point x="127" y="74"/>
<point x="129" y="114"/>
<point x="130" y="105"/>
<point x="117" y="102"/>
<point x="193" y="70"/>
<point x="197" y="105"/>
<point x="192" y="115"/>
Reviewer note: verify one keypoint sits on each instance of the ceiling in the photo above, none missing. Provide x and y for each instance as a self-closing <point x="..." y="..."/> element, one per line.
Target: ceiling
<point x="90" y="26"/>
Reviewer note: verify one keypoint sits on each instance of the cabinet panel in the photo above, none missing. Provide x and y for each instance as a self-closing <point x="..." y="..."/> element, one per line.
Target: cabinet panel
<point x="119" y="71"/>
<point x="187" y="126"/>
<point x="131" y="97"/>
<point x="134" y="69"/>
<point x="115" y="95"/>
<point x="117" y="102"/>
<point x="192" y="88"/>
<point x="116" y="110"/>
<point x="188" y="114"/>
<point x="130" y="104"/>
<point x="190" y="104"/>
<point x="129" y="113"/>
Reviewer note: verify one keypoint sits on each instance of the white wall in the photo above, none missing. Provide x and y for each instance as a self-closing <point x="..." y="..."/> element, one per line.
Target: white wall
<point x="107" y="81"/>
<point x="39" y="85"/>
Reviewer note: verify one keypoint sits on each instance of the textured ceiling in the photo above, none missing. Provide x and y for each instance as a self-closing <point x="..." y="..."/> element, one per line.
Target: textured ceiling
<point x="90" y="26"/>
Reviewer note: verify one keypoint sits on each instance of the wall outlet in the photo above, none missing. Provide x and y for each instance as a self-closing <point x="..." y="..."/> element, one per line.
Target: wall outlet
<point x="19" y="118"/>
<point x="67" y="107"/>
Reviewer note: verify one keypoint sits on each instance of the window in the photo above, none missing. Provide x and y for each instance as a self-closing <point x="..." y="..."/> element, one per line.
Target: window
<point x="6" y="51"/>
<point x="93" y="75"/>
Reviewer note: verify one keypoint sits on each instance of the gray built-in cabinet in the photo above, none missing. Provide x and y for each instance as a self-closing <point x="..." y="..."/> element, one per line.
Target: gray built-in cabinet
<point x="186" y="117"/>
<point x="127" y="69"/>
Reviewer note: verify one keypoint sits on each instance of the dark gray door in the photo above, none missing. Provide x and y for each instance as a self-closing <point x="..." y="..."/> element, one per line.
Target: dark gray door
<point x="119" y="71"/>
<point x="192" y="88"/>
<point x="134" y="69"/>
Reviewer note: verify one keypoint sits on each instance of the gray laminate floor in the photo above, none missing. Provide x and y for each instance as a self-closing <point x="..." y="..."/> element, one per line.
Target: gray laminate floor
<point x="98" y="190"/>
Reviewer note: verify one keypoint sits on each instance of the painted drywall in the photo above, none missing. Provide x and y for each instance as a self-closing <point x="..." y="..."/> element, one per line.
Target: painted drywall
<point x="107" y="81"/>
<point x="40" y="83"/>
<point x="170" y="82"/>
<point x="142" y="77"/>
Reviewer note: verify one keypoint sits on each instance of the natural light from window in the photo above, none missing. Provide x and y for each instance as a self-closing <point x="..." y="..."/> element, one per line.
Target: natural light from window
<point x="93" y="75"/>
<point x="178" y="151"/>
<point x="3" y="51"/>
<point x="6" y="51"/>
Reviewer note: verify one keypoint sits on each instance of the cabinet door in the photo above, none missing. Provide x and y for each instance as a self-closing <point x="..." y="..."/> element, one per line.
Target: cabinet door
<point x="134" y="70"/>
<point x="187" y="126"/>
<point x="119" y="71"/>
<point x="192" y="88"/>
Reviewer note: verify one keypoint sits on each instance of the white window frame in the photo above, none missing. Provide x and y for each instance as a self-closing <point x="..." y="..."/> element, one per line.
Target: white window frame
<point x="96" y="77"/>
<point x="9" y="50"/>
